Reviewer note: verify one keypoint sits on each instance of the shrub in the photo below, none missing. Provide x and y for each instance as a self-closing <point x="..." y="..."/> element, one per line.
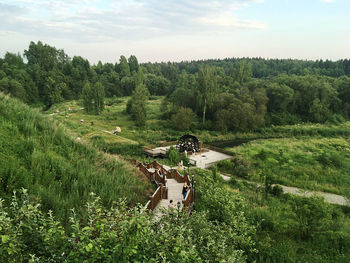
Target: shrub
<point x="277" y="190"/>
<point x="119" y="234"/>
<point x="173" y="155"/>
<point x="183" y="119"/>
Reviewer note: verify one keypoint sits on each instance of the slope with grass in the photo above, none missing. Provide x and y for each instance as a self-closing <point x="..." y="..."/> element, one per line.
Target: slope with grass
<point x="37" y="154"/>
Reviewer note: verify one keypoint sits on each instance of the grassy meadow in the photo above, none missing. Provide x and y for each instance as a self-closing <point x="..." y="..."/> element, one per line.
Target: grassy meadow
<point x="309" y="156"/>
<point x="314" y="163"/>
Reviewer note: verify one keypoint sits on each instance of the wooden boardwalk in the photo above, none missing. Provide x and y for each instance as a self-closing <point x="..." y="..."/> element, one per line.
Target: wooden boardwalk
<point x="174" y="193"/>
<point x="170" y="183"/>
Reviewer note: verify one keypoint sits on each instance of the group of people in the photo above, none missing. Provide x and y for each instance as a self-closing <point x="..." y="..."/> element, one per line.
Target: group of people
<point x="185" y="189"/>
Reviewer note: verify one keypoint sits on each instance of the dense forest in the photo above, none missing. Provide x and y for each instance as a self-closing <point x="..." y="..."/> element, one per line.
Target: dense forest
<point x="228" y="95"/>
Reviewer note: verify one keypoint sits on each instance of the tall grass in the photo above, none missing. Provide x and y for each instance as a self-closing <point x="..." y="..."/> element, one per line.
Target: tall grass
<point x="308" y="162"/>
<point x="36" y="153"/>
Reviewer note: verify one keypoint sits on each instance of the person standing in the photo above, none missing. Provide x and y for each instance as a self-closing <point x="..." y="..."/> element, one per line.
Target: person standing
<point x="184" y="190"/>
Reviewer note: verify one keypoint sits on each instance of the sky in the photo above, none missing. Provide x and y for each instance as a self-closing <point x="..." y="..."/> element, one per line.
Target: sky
<point x="165" y="30"/>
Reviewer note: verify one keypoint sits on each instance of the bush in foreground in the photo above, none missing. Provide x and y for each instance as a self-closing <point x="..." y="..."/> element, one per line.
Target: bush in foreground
<point x="120" y="234"/>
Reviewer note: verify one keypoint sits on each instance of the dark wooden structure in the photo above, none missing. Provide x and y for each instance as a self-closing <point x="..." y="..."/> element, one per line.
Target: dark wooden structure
<point x="188" y="143"/>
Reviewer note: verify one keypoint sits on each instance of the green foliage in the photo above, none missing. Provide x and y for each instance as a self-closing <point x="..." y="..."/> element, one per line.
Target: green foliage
<point x="133" y="64"/>
<point x="183" y="119"/>
<point x="314" y="163"/>
<point x="124" y="69"/>
<point x="295" y="229"/>
<point x="331" y="159"/>
<point x="244" y="111"/>
<point x="277" y="190"/>
<point x="207" y="87"/>
<point x="119" y="234"/>
<point x="38" y="155"/>
<point x="238" y="166"/>
<point x="136" y="106"/>
<point x="93" y="98"/>
<point x="242" y="71"/>
<point x="132" y="150"/>
<point x="226" y="209"/>
<point x="173" y="155"/>
<point x="157" y="85"/>
<point x="232" y="94"/>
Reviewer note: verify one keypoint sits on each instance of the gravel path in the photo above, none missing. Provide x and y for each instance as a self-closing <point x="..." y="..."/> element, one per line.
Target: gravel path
<point x="329" y="198"/>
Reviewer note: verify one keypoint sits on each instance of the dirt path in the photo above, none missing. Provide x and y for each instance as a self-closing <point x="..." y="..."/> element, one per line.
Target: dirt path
<point x="329" y="198"/>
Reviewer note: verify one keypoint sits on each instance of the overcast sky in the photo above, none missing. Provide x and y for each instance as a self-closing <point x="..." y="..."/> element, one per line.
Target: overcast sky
<point x="164" y="30"/>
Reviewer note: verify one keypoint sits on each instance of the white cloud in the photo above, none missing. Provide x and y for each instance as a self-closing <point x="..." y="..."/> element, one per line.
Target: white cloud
<point x="327" y="1"/>
<point x="229" y="21"/>
<point x="124" y="19"/>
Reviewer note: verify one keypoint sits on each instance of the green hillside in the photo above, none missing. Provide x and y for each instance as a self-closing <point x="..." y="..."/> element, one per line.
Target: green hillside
<point x="36" y="154"/>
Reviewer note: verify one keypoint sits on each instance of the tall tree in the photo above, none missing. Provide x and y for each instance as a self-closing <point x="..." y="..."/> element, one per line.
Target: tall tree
<point x="242" y="71"/>
<point x="99" y="95"/>
<point x="93" y="97"/>
<point x="207" y="86"/>
<point x="87" y="97"/>
<point x="136" y="106"/>
<point x="124" y="69"/>
<point x="133" y="64"/>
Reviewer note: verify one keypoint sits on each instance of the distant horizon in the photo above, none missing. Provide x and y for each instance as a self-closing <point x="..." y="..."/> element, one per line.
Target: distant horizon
<point x="176" y="61"/>
<point x="183" y="30"/>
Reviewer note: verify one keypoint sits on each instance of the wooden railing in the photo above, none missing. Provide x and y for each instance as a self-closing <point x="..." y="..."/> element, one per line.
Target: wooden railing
<point x="155" y="198"/>
<point x="144" y="170"/>
<point x="174" y="174"/>
<point x="156" y="165"/>
<point x="189" y="198"/>
<point x="160" y="179"/>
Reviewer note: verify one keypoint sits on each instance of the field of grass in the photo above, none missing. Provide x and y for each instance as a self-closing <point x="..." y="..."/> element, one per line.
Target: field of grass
<point x="115" y="115"/>
<point x="37" y="154"/>
<point x="309" y="156"/>
<point x="315" y="163"/>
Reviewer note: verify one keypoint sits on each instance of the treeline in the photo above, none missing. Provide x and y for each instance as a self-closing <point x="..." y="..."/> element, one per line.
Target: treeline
<point x="263" y="68"/>
<point x="229" y="94"/>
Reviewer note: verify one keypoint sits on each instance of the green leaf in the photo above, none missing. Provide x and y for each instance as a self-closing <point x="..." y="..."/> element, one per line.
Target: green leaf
<point x="5" y="238"/>
<point x="89" y="247"/>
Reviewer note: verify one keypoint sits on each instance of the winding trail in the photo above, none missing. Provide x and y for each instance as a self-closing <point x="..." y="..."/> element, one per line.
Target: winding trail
<point x="328" y="197"/>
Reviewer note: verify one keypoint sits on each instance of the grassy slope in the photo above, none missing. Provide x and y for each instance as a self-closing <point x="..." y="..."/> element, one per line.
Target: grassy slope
<point x="37" y="154"/>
